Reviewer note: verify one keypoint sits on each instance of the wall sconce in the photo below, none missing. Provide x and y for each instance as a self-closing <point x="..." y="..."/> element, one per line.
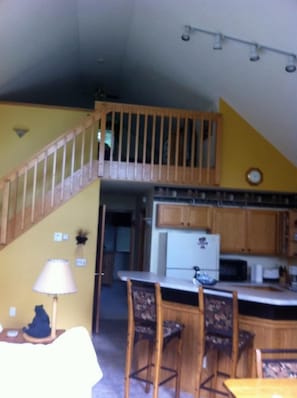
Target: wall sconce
<point x="81" y="239"/>
<point x="20" y="131"/>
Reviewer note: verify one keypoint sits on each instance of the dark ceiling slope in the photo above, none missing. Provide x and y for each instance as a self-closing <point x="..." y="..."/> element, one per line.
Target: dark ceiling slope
<point x="62" y="52"/>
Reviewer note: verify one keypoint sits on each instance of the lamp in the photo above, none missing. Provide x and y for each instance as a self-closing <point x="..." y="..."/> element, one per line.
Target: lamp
<point x="254" y="53"/>
<point x="56" y="278"/>
<point x="187" y="33"/>
<point x="254" y="47"/>
<point x="291" y="65"/>
<point x="218" y="42"/>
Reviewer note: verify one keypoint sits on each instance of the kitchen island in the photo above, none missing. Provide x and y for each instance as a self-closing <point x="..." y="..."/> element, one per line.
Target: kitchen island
<point x="268" y="310"/>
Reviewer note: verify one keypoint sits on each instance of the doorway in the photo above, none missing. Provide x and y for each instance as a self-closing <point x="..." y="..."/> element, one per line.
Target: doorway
<point x="117" y="255"/>
<point x="123" y="244"/>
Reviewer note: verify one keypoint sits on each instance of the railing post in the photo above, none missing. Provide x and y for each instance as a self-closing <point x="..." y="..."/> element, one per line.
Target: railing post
<point x="4" y="213"/>
<point x="102" y="144"/>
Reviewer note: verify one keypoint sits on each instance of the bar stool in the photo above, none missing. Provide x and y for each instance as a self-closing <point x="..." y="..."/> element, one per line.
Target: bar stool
<point x="276" y="363"/>
<point x="219" y="333"/>
<point x="145" y="322"/>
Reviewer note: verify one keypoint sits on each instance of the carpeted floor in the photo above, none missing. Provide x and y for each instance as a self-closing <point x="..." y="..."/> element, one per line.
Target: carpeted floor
<point x="110" y="346"/>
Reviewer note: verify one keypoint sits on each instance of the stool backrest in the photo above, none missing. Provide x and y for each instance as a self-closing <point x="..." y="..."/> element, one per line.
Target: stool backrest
<point x="145" y="306"/>
<point x="218" y="311"/>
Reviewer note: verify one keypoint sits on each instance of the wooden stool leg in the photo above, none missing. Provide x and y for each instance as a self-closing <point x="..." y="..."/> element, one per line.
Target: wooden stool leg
<point x="198" y="373"/>
<point x="149" y="365"/>
<point x="129" y="355"/>
<point x="215" y="367"/>
<point x="158" y="361"/>
<point x="178" y="366"/>
<point x="234" y="360"/>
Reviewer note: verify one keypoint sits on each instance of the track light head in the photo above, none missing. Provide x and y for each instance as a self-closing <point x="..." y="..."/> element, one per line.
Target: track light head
<point x="254" y="53"/>
<point x="187" y="33"/>
<point x="218" y="41"/>
<point x="291" y="65"/>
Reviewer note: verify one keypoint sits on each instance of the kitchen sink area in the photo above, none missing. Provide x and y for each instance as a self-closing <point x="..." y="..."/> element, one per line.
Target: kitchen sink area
<point x="262" y="287"/>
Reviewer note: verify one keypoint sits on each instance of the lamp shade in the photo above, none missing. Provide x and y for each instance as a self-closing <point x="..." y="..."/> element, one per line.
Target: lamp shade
<point x="55" y="278"/>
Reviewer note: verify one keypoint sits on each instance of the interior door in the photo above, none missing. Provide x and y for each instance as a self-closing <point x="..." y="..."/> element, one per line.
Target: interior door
<point x="99" y="269"/>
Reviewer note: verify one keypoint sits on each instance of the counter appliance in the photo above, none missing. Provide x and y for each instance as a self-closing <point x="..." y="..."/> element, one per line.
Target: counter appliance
<point x="184" y="250"/>
<point x="233" y="270"/>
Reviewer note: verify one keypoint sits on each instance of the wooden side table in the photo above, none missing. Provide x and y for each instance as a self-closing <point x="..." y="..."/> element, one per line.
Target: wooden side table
<point x="19" y="339"/>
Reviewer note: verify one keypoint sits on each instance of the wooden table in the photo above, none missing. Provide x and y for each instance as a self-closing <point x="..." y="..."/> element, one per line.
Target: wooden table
<point x="19" y="339"/>
<point x="262" y="388"/>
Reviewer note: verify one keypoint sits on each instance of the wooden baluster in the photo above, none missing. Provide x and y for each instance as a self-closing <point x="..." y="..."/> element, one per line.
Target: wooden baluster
<point x="82" y="157"/>
<point x="5" y="212"/>
<point x="33" y="203"/>
<point x="52" y="203"/>
<point x="153" y="143"/>
<point x="24" y="198"/>
<point x="63" y="172"/>
<point x="161" y="147"/>
<point x="136" y="145"/>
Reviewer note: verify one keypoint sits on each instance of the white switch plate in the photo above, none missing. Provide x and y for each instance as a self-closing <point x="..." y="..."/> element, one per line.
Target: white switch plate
<point x="81" y="262"/>
<point x="58" y="236"/>
<point x="12" y="311"/>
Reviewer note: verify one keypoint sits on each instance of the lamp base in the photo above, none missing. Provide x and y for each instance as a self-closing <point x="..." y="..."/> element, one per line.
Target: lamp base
<point x="40" y="340"/>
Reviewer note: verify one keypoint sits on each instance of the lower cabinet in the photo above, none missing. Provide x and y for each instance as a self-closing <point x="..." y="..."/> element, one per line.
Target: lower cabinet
<point x="247" y="231"/>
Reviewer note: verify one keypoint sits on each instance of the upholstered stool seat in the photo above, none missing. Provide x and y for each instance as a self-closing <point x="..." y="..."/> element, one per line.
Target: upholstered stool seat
<point x="276" y="363"/>
<point x="145" y="322"/>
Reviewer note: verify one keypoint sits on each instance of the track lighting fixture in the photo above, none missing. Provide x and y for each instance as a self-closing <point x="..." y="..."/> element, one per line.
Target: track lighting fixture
<point x="254" y="53"/>
<point x="291" y="65"/>
<point x="255" y="48"/>
<point x="218" y="42"/>
<point x="187" y="33"/>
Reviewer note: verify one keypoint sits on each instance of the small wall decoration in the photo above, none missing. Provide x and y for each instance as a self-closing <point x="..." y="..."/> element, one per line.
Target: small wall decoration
<point x="202" y="242"/>
<point x="81" y="239"/>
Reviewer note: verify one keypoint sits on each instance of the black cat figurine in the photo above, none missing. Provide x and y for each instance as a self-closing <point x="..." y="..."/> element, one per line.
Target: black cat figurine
<point x="40" y="325"/>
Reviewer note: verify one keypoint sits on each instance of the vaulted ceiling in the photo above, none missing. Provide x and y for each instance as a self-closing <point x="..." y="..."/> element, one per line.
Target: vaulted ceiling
<point x="61" y="52"/>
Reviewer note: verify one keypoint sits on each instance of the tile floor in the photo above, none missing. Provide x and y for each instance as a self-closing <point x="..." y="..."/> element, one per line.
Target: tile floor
<point x="110" y="346"/>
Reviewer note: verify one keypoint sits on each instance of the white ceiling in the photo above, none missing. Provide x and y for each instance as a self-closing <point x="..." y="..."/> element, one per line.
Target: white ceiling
<point x="60" y="51"/>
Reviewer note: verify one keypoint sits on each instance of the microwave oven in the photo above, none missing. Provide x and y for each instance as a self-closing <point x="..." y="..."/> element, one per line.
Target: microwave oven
<point x="232" y="270"/>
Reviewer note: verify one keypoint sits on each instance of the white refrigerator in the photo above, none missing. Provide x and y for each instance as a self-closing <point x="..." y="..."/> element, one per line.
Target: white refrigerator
<point x="184" y="250"/>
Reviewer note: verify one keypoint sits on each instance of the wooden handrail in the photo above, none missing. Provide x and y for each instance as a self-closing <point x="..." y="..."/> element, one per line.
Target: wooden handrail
<point x="137" y="143"/>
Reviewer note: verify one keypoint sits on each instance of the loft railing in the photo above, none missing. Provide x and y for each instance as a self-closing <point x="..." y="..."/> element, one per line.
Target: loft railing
<point x="159" y="145"/>
<point x="144" y="144"/>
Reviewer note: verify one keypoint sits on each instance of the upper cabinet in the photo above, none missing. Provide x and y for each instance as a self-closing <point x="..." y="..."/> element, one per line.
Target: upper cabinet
<point x="184" y="216"/>
<point x="230" y="223"/>
<point x="247" y="231"/>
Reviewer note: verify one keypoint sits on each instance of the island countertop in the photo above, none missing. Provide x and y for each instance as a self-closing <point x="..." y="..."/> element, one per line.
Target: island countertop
<point x="270" y="294"/>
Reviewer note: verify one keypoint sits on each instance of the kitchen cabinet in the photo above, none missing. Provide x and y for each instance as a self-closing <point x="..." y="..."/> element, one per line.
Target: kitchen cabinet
<point x="184" y="216"/>
<point x="289" y="233"/>
<point x="247" y="231"/>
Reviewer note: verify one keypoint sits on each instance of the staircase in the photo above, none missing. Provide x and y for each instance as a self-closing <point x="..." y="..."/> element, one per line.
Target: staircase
<point x="144" y="144"/>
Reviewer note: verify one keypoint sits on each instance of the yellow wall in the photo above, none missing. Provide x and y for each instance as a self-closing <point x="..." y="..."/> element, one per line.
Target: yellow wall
<point x="44" y="124"/>
<point x="22" y="261"/>
<point x="244" y="147"/>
